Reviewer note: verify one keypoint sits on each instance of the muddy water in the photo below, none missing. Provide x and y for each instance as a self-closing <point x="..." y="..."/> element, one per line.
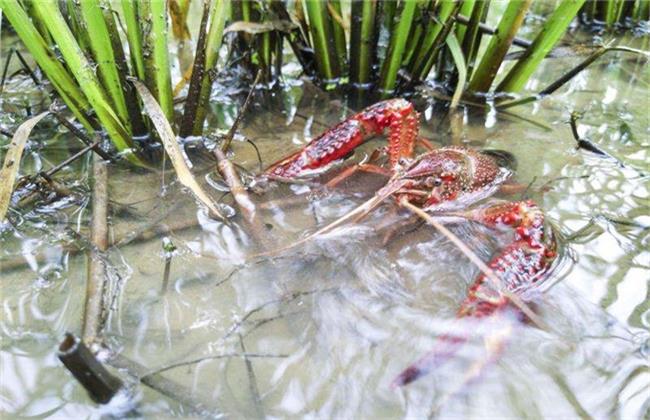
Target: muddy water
<point x="322" y="330"/>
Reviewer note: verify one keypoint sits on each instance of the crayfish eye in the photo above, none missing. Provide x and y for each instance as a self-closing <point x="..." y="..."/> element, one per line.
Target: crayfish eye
<point x="433" y="182"/>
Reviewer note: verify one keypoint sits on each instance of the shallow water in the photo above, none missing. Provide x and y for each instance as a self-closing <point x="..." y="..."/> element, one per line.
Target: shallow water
<point x="325" y="328"/>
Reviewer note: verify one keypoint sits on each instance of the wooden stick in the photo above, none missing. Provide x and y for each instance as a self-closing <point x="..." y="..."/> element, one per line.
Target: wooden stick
<point x="167" y="387"/>
<point x="243" y="200"/>
<point x="94" y="318"/>
<point x="84" y="366"/>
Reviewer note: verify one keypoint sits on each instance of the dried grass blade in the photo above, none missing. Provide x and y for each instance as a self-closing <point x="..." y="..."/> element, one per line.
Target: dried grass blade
<point x="168" y="138"/>
<point x="12" y="161"/>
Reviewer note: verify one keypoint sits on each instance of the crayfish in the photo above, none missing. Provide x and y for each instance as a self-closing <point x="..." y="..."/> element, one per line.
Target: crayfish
<point x="443" y="181"/>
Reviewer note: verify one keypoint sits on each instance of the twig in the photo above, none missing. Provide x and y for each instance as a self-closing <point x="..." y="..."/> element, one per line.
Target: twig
<point x="213" y="357"/>
<point x="166" y="387"/>
<point x="94" y="318"/>
<point x="84" y="366"/>
<point x="520" y="42"/>
<point x="487" y="271"/>
<point x="78" y="133"/>
<point x="231" y="133"/>
<point x="243" y="200"/>
<point x="252" y="382"/>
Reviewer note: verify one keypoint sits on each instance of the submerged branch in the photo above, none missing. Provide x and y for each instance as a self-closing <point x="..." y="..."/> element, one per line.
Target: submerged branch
<point x="84" y="366"/>
<point x="166" y="387"/>
<point x="214" y="357"/>
<point x="94" y="315"/>
<point x="243" y="200"/>
<point x="225" y="144"/>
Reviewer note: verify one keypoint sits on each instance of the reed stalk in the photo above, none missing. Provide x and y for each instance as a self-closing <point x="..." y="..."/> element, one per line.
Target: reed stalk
<point x="363" y="39"/>
<point x="53" y="69"/>
<point x="466" y="9"/>
<point x="102" y="49"/>
<point x="219" y="11"/>
<point x="491" y="60"/>
<point x="320" y="27"/>
<point x="299" y="44"/>
<point x="473" y="36"/>
<point x="396" y="47"/>
<point x="85" y="75"/>
<point x="433" y="39"/>
<point x="551" y="33"/>
<point x="156" y="53"/>
<point x="198" y="70"/>
<point x="131" y="14"/>
<point x="338" y="31"/>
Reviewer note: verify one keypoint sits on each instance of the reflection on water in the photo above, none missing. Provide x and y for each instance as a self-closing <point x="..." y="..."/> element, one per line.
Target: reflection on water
<point x="323" y="330"/>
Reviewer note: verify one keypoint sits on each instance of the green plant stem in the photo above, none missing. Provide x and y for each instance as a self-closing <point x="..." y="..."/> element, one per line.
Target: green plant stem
<point x="134" y="36"/>
<point x="156" y="51"/>
<point x="473" y="36"/>
<point x="323" y="39"/>
<point x="85" y="75"/>
<point x="399" y="37"/>
<point x="102" y="48"/>
<point x="218" y="15"/>
<point x="198" y="70"/>
<point x="433" y="40"/>
<point x="486" y="71"/>
<point x="362" y="41"/>
<point x="334" y="8"/>
<point x="62" y="81"/>
<point x="551" y="33"/>
<point x="466" y="9"/>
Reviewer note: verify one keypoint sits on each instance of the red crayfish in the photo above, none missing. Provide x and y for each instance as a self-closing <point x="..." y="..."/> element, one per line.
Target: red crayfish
<point x="442" y="181"/>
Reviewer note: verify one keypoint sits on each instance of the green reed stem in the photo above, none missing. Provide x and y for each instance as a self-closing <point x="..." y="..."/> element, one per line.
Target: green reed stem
<point x="323" y="39"/>
<point x="340" y="45"/>
<point x="131" y="15"/>
<point x="84" y="72"/>
<point x="218" y="13"/>
<point x="474" y="35"/>
<point x="510" y="23"/>
<point x="156" y="51"/>
<point x="362" y="41"/>
<point x="551" y="33"/>
<point x="466" y="9"/>
<point x="58" y="75"/>
<point x="396" y="47"/>
<point x="102" y="49"/>
<point x="461" y="68"/>
<point x="433" y="39"/>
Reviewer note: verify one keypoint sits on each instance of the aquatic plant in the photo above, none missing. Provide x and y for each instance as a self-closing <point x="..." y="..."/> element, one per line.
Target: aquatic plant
<point x="78" y="47"/>
<point x="389" y="47"/>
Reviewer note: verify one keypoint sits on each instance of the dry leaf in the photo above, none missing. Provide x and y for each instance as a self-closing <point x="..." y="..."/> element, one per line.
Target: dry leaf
<point x="12" y="161"/>
<point x="174" y="152"/>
